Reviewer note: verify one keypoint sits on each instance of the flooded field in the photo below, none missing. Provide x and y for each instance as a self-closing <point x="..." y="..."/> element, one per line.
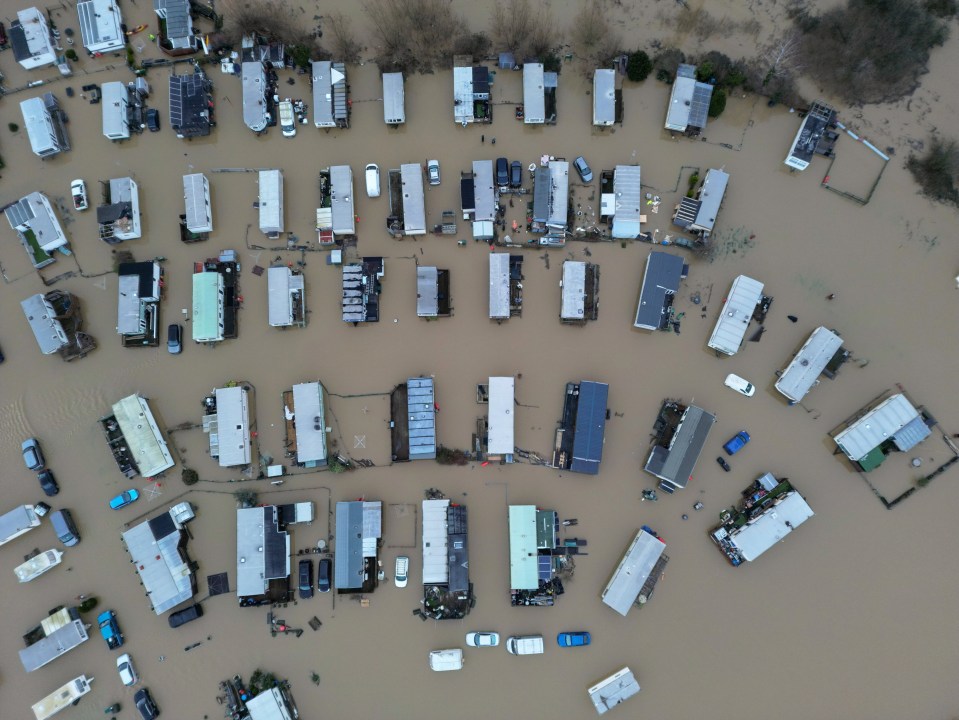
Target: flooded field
<point x="851" y="616"/>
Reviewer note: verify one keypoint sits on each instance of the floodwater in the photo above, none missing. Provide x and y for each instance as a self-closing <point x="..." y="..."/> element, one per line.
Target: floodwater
<point x="851" y="616"/>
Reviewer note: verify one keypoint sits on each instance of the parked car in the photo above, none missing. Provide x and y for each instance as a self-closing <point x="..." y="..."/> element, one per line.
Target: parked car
<point x="446" y="660"/>
<point x="174" y="336"/>
<point x="515" y="174"/>
<point x="182" y="617"/>
<point x="401" y="571"/>
<point x="153" y="119"/>
<point x="48" y="483"/>
<point x="287" y="119"/>
<point x="722" y="463"/>
<point x="736" y="442"/>
<point x="433" y="171"/>
<point x="306" y="579"/>
<point x="585" y="174"/>
<point x="145" y="705"/>
<point x="573" y="639"/>
<point x="78" y="189"/>
<point x="128" y="674"/>
<point x="502" y="172"/>
<point x="373" y="180"/>
<point x="65" y="527"/>
<point x="123" y="499"/>
<point x="524" y="645"/>
<point x="41" y="509"/>
<point x="325" y="575"/>
<point x="32" y="454"/>
<point x="482" y="639"/>
<point x="740" y="385"/>
<point x="110" y="629"/>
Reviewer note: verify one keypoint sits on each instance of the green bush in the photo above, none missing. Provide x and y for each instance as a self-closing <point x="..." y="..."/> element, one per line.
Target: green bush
<point x="937" y="171"/>
<point x="944" y="9"/>
<point x="189" y="476"/>
<point x="704" y="71"/>
<point x="300" y="55"/>
<point x="717" y="103"/>
<point x="71" y="54"/>
<point x="639" y="66"/>
<point x="13" y="127"/>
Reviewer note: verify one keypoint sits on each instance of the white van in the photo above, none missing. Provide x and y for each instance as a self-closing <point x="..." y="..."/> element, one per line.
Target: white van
<point x="524" y="645"/>
<point x="446" y="660"/>
<point x="373" y="180"/>
<point x="287" y="119"/>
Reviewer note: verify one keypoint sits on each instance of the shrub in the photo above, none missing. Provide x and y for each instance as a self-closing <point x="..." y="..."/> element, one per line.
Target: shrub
<point x="300" y="55"/>
<point x="71" y="54"/>
<point x="704" y="71"/>
<point x="717" y="103"/>
<point x="448" y="456"/>
<point x="870" y="51"/>
<point x="945" y="9"/>
<point x="639" y="66"/>
<point x="13" y="127"/>
<point x="189" y="476"/>
<point x="938" y="171"/>
<point x="667" y="62"/>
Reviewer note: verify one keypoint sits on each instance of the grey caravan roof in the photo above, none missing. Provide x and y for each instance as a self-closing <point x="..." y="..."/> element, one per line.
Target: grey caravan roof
<point x="414" y="203"/>
<point x="541" y="186"/>
<point x="628" y="202"/>
<point x="43" y="121"/>
<point x="341" y="183"/>
<point x="484" y="194"/>
<point x="179" y="24"/>
<point x="499" y="286"/>
<point x="115" y="100"/>
<point x="893" y="419"/>
<point x="688" y="101"/>
<point x="632" y="572"/>
<point x="807" y="365"/>
<point x="155" y="546"/>
<point x="100" y="25"/>
<point x="710" y="198"/>
<point x="735" y="315"/>
<point x="262" y="550"/>
<point x="196" y="196"/>
<point x="573" y="306"/>
<point x="604" y="97"/>
<point x="760" y="534"/>
<point x="559" y="194"/>
<point x="421" y="413"/>
<point x="255" y="115"/>
<point x="661" y="278"/>
<point x="463" y="94"/>
<point x="534" y="98"/>
<point x="611" y="691"/>
<point x="427" y="290"/>
<point x="49" y="648"/>
<point x="348" y="555"/>
<point x="311" y="430"/>
<point x="676" y="464"/>
<point x="189" y="110"/>
<point x="394" y="99"/>
<point x="323" y="93"/>
<point x="33" y="212"/>
<point x="46" y="328"/>
<point x="128" y="305"/>
<point x="590" y="431"/>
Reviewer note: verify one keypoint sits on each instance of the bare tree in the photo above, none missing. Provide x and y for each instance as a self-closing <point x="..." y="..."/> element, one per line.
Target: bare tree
<point x="545" y="35"/>
<point x="414" y="35"/>
<point x="272" y="19"/>
<point x="511" y="22"/>
<point x="594" y="39"/>
<point x="345" y="46"/>
<point x="783" y="55"/>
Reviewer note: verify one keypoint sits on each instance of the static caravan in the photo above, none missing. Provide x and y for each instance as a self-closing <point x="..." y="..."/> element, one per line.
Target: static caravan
<point x="271" y="202"/>
<point x="394" y="99"/>
<point x="116" y="110"/>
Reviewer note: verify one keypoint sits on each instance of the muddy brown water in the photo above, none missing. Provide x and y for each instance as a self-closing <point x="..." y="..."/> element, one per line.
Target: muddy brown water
<point x="851" y="616"/>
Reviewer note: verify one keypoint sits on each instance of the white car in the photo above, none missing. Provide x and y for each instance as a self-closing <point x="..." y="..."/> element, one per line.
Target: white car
<point x="433" y="171"/>
<point x="373" y="180"/>
<point x="401" y="574"/>
<point x="482" y="639"/>
<point x="78" y="189"/>
<point x="128" y="675"/>
<point x="287" y="119"/>
<point x="740" y="385"/>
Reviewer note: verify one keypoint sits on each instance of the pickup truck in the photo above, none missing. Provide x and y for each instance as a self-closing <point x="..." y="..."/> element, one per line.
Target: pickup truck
<point x="736" y="442"/>
<point x="110" y="629"/>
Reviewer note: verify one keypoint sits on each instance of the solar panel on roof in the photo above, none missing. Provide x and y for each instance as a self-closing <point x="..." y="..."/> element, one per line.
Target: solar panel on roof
<point x="544" y="565"/>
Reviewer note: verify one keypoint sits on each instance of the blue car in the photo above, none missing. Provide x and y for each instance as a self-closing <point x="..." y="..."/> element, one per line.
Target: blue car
<point x="124" y="499"/>
<point x="736" y="443"/>
<point x="109" y="629"/>
<point x="573" y="639"/>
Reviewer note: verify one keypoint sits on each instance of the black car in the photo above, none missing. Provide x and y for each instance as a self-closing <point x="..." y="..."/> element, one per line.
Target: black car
<point x="147" y="708"/>
<point x="326" y="568"/>
<point x="502" y="172"/>
<point x="153" y="119"/>
<point x="174" y="336"/>
<point x="515" y="174"/>
<point x="182" y="617"/>
<point x="306" y="579"/>
<point x="722" y="463"/>
<point x="48" y="483"/>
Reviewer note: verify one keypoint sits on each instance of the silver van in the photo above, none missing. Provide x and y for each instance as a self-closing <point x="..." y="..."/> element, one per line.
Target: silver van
<point x="64" y="527"/>
<point x="446" y="660"/>
<point x="525" y="645"/>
